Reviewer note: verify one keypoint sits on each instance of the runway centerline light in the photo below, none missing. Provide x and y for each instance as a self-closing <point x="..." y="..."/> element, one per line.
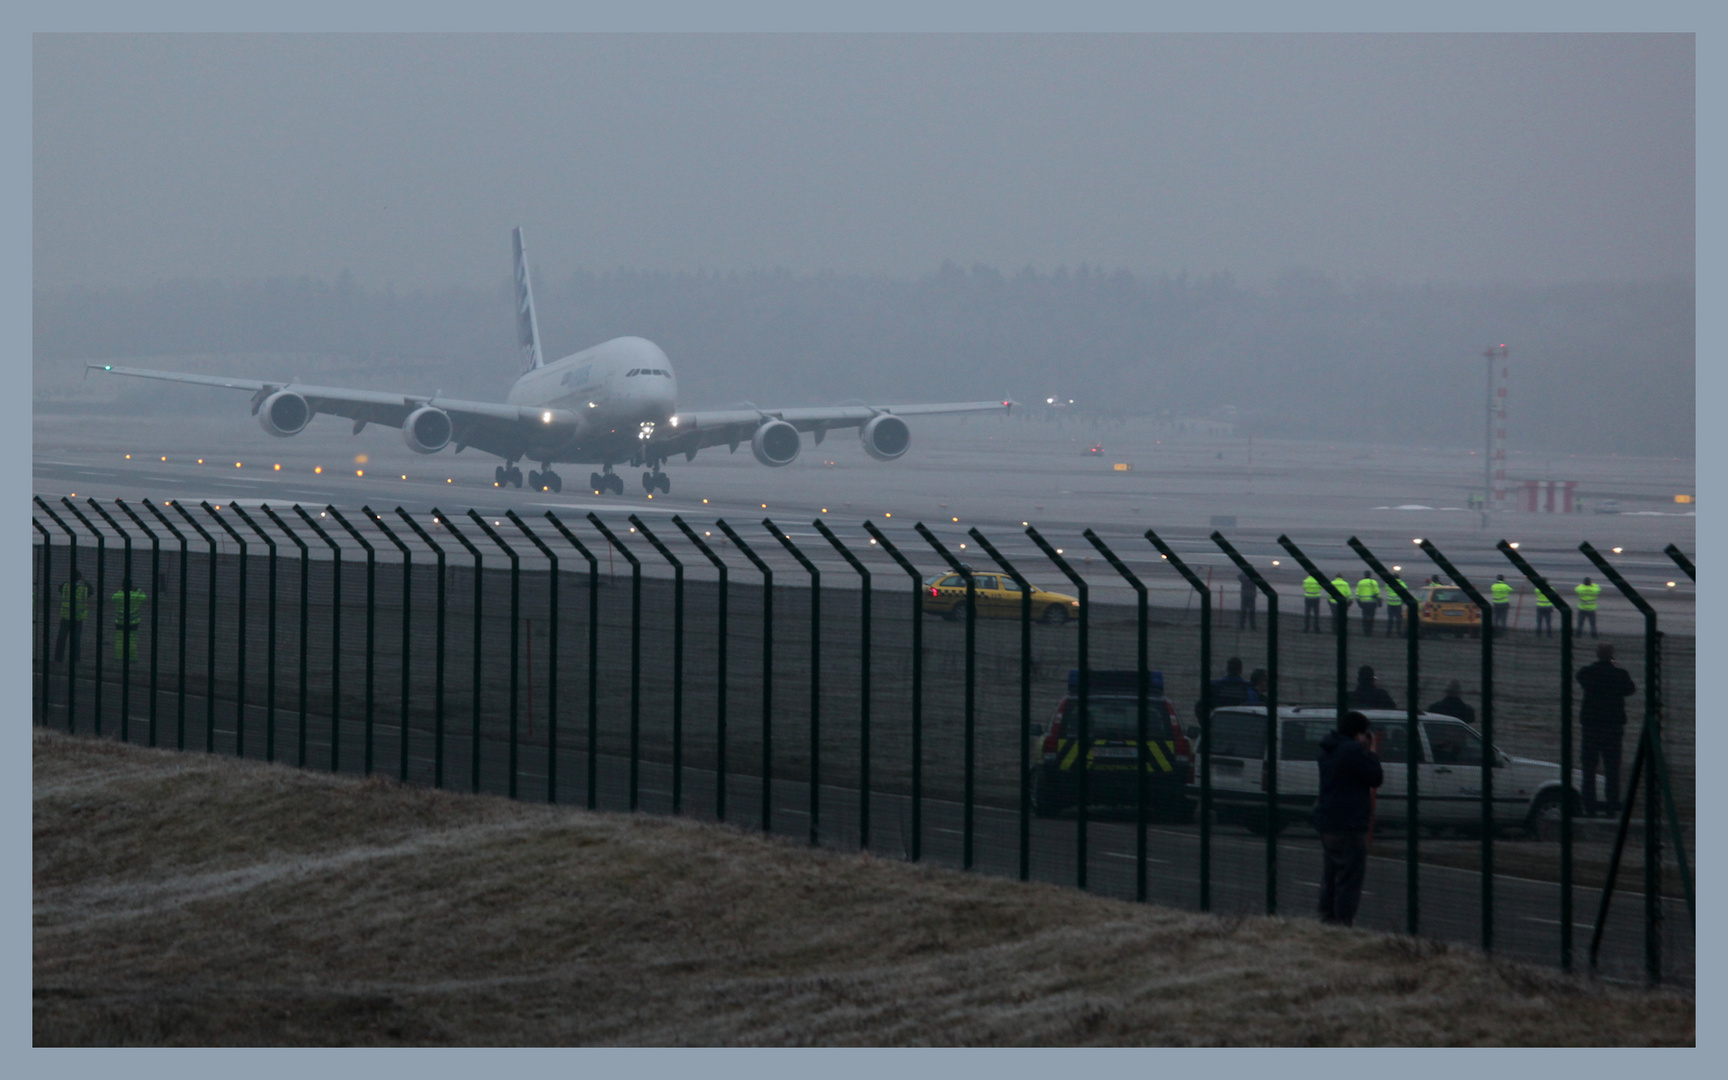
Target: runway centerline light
<point x="359" y="472"/>
<point x="236" y="464"/>
<point x="277" y="467"/>
<point x="128" y="457"/>
<point x="317" y="468"/>
<point x="200" y="461"/>
<point x="164" y="458"/>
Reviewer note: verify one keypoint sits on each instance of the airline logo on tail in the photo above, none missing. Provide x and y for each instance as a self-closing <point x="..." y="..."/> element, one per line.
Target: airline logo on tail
<point x="527" y="327"/>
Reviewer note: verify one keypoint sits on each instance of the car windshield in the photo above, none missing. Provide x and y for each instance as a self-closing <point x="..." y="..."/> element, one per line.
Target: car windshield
<point x="1240" y="735"/>
<point x="1453" y="743"/>
<point x="1117" y="719"/>
<point x="1448" y="596"/>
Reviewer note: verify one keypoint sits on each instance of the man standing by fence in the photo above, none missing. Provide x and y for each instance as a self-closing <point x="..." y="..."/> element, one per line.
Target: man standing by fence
<point x="1602" y="717"/>
<point x="74" y="606"/>
<point x="1349" y="771"/>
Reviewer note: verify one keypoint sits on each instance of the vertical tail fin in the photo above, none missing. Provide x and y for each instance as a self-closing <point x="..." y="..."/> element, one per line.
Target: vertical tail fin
<point x="527" y="326"/>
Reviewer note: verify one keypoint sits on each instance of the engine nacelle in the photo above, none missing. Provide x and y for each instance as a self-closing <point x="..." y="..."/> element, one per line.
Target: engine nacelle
<point x="426" y="430"/>
<point x="776" y="443"/>
<point x="886" y="437"/>
<point x="284" y="413"/>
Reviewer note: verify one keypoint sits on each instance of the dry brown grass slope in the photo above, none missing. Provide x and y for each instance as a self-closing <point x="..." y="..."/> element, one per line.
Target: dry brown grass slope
<point x="184" y="899"/>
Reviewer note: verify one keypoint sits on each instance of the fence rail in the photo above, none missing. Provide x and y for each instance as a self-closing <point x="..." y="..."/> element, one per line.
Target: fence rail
<point x="901" y="729"/>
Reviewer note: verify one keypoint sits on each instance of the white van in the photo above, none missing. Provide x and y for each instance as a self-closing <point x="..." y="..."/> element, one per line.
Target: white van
<point x="1449" y="789"/>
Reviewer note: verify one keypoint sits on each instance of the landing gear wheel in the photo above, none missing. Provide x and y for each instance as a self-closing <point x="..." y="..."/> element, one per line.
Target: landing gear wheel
<point x="615" y="483"/>
<point x="648" y="481"/>
<point x="535" y="480"/>
<point x="554" y="481"/>
<point x="515" y="477"/>
<point x="664" y="483"/>
<point x="597" y="483"/>
<point x="498" y="476"/>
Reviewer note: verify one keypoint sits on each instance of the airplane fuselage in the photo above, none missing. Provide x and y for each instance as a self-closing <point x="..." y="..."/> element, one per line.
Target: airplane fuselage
<point x="621" y="391"/>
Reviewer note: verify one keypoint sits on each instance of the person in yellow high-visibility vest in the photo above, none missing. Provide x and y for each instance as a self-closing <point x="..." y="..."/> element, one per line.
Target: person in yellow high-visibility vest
<point x="1501" y="594"/>
<point x="1587" y="594"/>
<point x="128" y="616"/>
<point x="1394" y="610"/>
<point x="1311" y="593"/>
<point x="1368" y="599"/>
<point x="1544" y="614"/>
<point x="1343" y="587"/>
<point x="74" y="606"/>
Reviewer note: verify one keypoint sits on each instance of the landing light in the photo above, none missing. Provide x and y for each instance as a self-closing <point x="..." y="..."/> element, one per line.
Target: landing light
<point x="674" y="421"/>
<point x="545" y="418"/>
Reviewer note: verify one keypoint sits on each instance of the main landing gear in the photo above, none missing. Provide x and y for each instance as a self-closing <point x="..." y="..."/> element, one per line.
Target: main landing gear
<point x="656" y="481"/>
<point x="606" y="482"/>
<point x="546" y="480"/>
<point x="507" y="476"/>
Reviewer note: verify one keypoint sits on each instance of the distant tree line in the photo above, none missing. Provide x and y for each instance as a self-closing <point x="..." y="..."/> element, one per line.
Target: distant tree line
<point x="1599" y="367"/>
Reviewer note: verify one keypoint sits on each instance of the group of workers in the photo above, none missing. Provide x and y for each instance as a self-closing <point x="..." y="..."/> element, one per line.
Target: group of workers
<point x="1369" y="594"/>
<point x="128" y="603"/>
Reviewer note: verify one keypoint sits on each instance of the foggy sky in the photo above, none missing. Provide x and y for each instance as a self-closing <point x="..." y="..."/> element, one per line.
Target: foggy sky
<point x="406" y="160"/>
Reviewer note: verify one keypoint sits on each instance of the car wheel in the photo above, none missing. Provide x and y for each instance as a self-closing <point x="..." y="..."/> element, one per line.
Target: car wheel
<point x="1054" y="615"/>
<point x="952" y="614"/>
<point x="1544" y="818"/>
<point x="1041" y="801"/>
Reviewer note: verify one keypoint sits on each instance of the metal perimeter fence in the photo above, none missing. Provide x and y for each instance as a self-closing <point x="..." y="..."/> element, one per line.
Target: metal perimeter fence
<point x="495" y="655"/>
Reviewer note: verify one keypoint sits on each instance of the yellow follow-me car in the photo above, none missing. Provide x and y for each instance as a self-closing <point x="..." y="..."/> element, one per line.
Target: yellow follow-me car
<point x="1448" y="608"/>
<point x="997" y="598"/>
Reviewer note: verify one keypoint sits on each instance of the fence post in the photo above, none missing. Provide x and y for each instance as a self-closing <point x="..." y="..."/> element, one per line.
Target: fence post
<point x="438" y="650"/>
<point x="407" y="634"/>
<point x="1655" y="778"/>
<point x="239" y="635"/>
<point x="593" y="656"/>
<point x="1025" y="588"/>
<point x="969" y="707"/>
<point x="1141" y="734"/>
<point x="180" y="660"/>
<point x="305" y="619"/>
<point x="129" y="635"/>
<point x="371" y="625"/>
<point x="76" y="633"/>
<point x="1204" y="758"/>
<point x="440" y="518"/>
<point x="155" y="620"/>
<point x="767" y="671"/>
<point x="815" y="674"/>
<point x="635" y="654"/>
<point x="887" y="545"/>
<point x="1272" y="709"/>
<point x="335" y="636"/>
<point x="47" y="610"/>
<point x="552" y="649"/>
<point x="269" y="639"/>
<point x="1085" y="692"/>
<point x="863" y="681"/>
<point x="1340" y="623"/>
<point x="101" y="591"/>
<point x="1567" y="794"/>
<point x="1680" y="560"/>
<point x="1413" y="752"/>
<point x="1489" y="753"/>
<point x="515" y="636"/>
<point x="677" y="661"/>
<point x="210" y="631"/>
<point x="719" y="670"/>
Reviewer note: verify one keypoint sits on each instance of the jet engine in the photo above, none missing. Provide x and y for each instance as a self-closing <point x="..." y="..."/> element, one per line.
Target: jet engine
<point x="885" y="438"/>
<point x="284" y="413"/>
<point x="776" y="443"/>
<point x="426" y="430"/>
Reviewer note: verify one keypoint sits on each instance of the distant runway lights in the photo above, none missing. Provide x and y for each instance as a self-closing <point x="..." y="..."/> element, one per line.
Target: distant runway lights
<point x="1618" y="550"/>
<point x="962" y="547"/>
<point x="128" y="457"/>
<point x="404" y="476"/>
<point x="164" y="457"/>
<point x="954" y="519"/>
<point x="1670" y="584"/>
<point x="236" y="464"/>
<point x="277" y="467"/>
<point x="1274" y="562"/>
<point x="1395" y="569"/>
<point x="359" y="472"/>
<point x="449" y="480"/>
<point x="1513" y="545"/>
<point x="200" y="461"/>
<point x="872" y="540"/>
<point x="704" y="501"/>
<point x="317" y="468"/>
<point x="1416" y="540"/>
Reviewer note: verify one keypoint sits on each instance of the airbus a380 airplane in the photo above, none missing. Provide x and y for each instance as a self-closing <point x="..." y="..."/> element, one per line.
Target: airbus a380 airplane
<point x="613" y="404"/>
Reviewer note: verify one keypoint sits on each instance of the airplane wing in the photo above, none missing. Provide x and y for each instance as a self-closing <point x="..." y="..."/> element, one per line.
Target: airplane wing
<point x="693" y="431"/>
<point x="486" y="426"/>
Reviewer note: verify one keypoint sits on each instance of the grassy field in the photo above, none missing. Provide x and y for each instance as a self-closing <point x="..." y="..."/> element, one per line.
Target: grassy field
<point x="183" y="899"/>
